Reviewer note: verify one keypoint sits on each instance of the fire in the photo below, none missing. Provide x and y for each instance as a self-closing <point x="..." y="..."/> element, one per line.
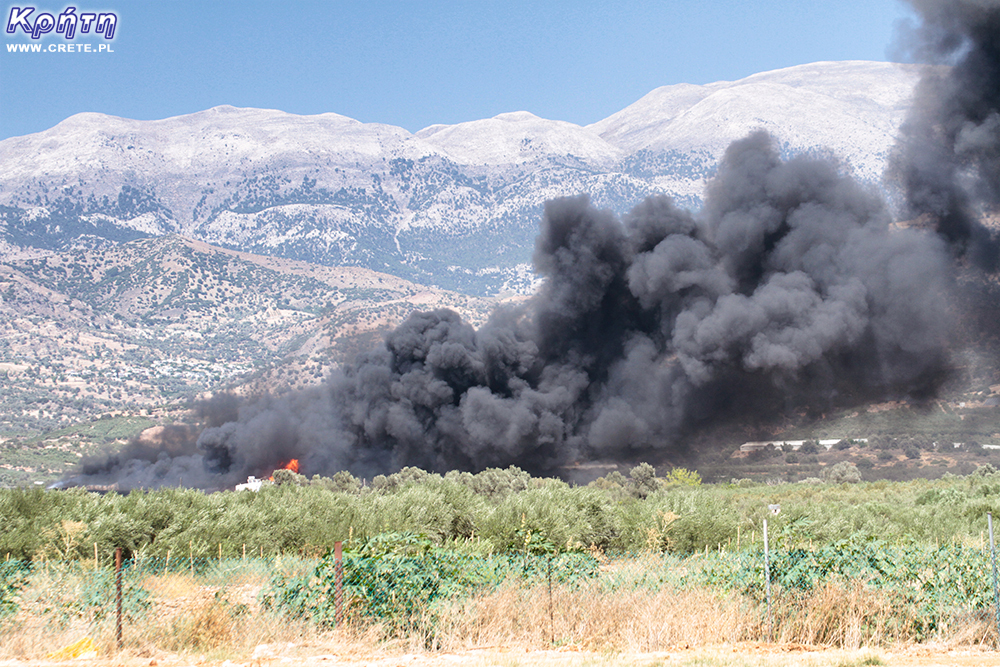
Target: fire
<point x="292" y="465"/>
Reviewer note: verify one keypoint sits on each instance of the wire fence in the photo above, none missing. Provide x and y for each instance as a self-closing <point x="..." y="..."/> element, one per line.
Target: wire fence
<point x="847" y="594"/>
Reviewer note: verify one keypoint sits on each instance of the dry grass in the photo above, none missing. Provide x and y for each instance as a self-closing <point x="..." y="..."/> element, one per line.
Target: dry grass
<point x="851" y="616"/>
<point x="637" y="621"/>
<point x="645" y="621"/>
<point x="220" y="615"/>
<point x="190" y="613"/>
<point x="171" y="586"/>
<point x="182" y="613"/>
<point x="848" y="617"/>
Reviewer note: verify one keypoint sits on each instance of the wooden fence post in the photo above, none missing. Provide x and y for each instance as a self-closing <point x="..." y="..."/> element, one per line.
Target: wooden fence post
<point x="118" y="597"/>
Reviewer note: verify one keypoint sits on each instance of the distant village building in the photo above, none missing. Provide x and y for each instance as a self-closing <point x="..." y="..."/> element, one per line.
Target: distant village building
<point x="748" y="447"/>
<point x="793" y="445"/>
<point x="253" y="484"/>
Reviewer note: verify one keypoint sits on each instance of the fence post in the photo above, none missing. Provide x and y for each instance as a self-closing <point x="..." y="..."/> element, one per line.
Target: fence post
<point x="993" y="558"/>
<point x="767" y="583"/>
<point x="118" y="596"/>
<point x="552" y="618"/>
<point x="338" y="577"/>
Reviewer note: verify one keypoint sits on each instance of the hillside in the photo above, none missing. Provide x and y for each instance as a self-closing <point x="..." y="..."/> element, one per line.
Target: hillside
<point x="141" y="328"/>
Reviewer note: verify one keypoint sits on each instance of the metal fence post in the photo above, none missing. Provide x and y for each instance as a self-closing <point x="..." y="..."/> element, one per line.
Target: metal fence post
<point x="118" y="596"/>
<point x="993" y="558"/>
<point x="338" y="577"/>
<point x="767" y="583"/>
<point x="552" y="618"/>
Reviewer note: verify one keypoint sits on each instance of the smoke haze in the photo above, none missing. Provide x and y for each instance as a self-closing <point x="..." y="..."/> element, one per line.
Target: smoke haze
<point x="788" y="290"/>
<point x="949" y="156"/>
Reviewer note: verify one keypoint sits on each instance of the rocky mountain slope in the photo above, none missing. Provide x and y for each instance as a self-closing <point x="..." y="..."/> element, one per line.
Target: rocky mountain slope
<point x="156" y="321"/>
<point x="455" y="206"/>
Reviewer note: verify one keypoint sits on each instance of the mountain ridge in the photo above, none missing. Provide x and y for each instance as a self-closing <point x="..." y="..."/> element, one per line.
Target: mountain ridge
<point x="450" y="205"/>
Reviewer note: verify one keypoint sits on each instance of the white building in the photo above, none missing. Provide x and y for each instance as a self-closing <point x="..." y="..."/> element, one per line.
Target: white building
<point x="253" y="484"/>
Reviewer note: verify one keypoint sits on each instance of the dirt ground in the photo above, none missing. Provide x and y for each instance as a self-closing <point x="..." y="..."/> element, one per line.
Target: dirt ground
<point x="742" y="655"/>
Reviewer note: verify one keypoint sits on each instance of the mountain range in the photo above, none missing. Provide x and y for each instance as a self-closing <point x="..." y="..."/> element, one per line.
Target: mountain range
<point x="455" y="206"/>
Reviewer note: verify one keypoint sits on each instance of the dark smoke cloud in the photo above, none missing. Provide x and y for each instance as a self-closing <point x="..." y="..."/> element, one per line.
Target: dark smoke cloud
<point x="949" y="156"/>
<point x="788" y="290"/>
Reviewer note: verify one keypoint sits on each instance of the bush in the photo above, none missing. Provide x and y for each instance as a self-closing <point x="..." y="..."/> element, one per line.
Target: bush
<point x="682" y="477"/>
<point x="395" y="578"/>
<point x="643" y="478"/>
<point x="283" y="476"/>
<point x="843" y="472"/>
<point x="809" y="447"/>
<point x="494" y="483"/>
<point x="882" y="442"/>
<point x="344" y="482"/>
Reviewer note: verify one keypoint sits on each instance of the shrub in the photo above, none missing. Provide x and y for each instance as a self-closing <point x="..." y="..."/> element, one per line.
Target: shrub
<point x="283" y="476"/>
<point x="809" y="447"/>
<point x="395" y="579"/>
<point x="841" y="473"/>
<point x="682" y="477"/>
<point x="345" y="482"/>
<point x="643" y="478"/>
<point x="497" y="483"/>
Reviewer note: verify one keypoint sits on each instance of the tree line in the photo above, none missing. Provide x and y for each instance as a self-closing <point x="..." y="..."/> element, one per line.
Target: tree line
<point x="494" y="511"/>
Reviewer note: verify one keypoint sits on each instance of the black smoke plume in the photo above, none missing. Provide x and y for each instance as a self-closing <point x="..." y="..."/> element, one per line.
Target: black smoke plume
<point x="949" y="156"/>
<point x="788" y="290"/>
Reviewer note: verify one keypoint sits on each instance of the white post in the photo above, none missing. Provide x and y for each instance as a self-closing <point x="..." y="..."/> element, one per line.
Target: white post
<point x="993" y="558"/>
<point x="767" y="582"/>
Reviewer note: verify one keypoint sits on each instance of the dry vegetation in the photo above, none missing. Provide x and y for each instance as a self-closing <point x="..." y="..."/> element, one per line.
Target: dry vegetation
<point x="218" y="616"/>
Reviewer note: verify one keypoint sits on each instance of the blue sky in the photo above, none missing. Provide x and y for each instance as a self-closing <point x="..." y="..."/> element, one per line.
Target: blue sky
<point x="413" y="64"/>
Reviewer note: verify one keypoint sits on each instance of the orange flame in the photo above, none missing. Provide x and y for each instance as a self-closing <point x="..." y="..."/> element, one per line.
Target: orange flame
<point x="292" y="465"/>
